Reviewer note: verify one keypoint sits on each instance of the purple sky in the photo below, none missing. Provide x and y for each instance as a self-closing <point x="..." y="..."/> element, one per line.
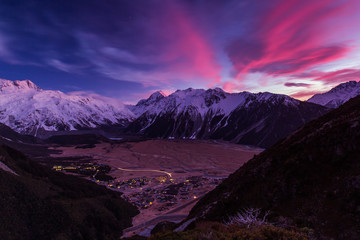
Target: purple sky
<point x="128" y="49"/>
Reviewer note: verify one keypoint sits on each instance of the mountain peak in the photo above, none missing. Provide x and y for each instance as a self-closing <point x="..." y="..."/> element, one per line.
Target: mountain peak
<point x="8" y="85"/>
<point x="25" y="84"/>
<point x="189" y="92"/>
<point x="157" y="95"/>
<point x="346" y="85"/>
<point x="337" y="95"/>
<point x="215" y="90"/>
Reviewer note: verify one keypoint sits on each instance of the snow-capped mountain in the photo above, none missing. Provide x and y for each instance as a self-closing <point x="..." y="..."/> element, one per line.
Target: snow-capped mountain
<point x="247" y="118"/>
<point x="254" y="119"/>
<point x="338" y="95"/>
<point x="27" y="109"/>
<point x="143" y="104"/>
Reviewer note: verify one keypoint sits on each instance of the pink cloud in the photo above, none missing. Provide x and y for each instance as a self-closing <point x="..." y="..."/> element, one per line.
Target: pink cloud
<point x="175" y="51"/>
<point x="189" y="52"/>
<point x="343" y="75"/>
<point x="229" y="87"/>
<point x="328" y="78"/>
<point x="339" y="76"/>
<point x="291" y="39"/>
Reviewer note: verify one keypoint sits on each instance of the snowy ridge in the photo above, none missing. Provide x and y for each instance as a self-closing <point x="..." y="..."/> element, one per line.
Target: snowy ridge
<point x="27" y="109"/>
<point x="338" y="95"/>
<point x="204" y="101"/>
<point x="144" y="103"/>
<point x="13" y="86"/>
<point x="247" y="118"/>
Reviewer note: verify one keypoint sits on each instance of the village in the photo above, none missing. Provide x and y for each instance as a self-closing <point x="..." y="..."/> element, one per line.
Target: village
<point x="160" y="192"/>
<point x="165" y="192"/>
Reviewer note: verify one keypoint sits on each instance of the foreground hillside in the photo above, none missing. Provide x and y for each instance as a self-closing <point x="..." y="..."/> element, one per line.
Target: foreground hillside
<point x="311" y="179"/>
<point x="37" y="203"/>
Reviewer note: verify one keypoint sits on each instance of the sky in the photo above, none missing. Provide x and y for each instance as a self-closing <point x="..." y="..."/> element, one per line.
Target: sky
<point x="129" y="49"/>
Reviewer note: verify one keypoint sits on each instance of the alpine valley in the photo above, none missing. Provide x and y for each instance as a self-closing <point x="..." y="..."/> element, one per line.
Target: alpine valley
<point x="180" y="120"/>
<point x="196" y="164"/>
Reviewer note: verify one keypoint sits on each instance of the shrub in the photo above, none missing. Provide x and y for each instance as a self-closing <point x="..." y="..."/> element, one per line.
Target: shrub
<point x="249" y="217"/>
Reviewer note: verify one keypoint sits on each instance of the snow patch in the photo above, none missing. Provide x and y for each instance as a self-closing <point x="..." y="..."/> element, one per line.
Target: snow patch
<point x="6" y="168"/>
<point x="184" y="225"/>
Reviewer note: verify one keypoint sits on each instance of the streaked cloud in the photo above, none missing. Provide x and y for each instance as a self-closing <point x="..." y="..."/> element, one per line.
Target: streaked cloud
<point x="293" y="84"/>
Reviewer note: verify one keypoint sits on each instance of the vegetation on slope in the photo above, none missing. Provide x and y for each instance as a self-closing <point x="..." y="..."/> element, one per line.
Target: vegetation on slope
<point x="219" y="231"/>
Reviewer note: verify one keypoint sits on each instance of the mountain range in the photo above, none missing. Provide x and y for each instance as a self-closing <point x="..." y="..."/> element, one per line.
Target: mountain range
<point x="254" y="119"/>
<point x="27" y="109"/>
<point x="258" y="119"/>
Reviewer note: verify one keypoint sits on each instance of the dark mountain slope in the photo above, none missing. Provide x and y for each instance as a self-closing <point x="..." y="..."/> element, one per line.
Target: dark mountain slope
<point x="27" y="144"/>
<point x="310" y="179"/>
<point x="6" y="133"/>
<point x="37" y="203"/>
<point x="264" y="123"/>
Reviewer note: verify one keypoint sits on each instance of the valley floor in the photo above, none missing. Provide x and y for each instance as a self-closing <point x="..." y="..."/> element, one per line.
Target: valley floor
<point x="163" y="178"/>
